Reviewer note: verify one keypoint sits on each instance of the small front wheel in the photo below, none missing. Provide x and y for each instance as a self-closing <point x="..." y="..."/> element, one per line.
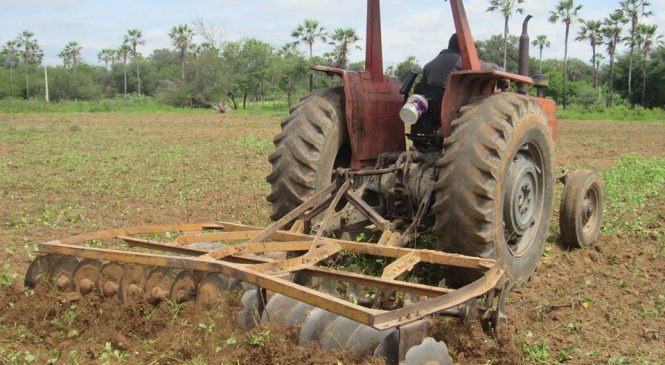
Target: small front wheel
<point x="581" y="210"/>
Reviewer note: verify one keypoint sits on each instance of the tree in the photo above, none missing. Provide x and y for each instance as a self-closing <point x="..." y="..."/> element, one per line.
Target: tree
<point x="491" y="50"/>
<point x="106" y="55"/>
<point x="11" y="52"/>
<point x="292" y="69"/>
<point x="410" y="64"/>
<point x="71" y="54"/>
<point x="612" y="28"/>
<point x="633" y="9"/>
<point x="133" y="38"/>
<point x="308" y="33"/>
<point x="645" y="38"/>
<point x="181" y="36"/>
<point x="123" y="53"/>
<point x="31" y="54"/>
<point x="565" y="12"/>
<point x="506" y="8"/>
<point x="541" y="42"/>
<point x="344" y="40"/>
<point x="591" y="31"/>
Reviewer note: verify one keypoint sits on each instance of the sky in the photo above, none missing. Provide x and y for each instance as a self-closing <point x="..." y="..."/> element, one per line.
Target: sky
<point x="419" y="28"/>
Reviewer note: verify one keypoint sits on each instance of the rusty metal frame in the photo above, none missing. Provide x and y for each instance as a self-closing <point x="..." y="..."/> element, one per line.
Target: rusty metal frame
<point x="245" y="260"/>
<point x="260" y="271"/>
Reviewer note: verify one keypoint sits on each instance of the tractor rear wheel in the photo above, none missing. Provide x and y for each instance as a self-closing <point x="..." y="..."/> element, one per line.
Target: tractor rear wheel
<point x="495" y="186"/>
<point x="313" y="142"/>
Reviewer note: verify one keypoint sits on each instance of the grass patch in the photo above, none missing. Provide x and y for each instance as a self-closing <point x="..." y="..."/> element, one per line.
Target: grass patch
<point x="620" y="113"/>
<point x="121" y="104"/>
<point x="536" y="353"/>
<point x="132" y="104"/>
<point x="628" y="187"/>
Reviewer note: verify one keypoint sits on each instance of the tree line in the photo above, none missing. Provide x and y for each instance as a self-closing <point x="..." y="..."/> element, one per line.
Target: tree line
<point x="640" y="38"/>
<point x="236" y="72"/>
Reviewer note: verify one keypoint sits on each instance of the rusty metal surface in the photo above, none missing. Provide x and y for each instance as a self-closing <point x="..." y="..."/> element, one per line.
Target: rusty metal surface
<point x="372" y="100"/>
<point x="468" y="50"/>
<point x="549" y="107"/>
<point x="466" y="85"/>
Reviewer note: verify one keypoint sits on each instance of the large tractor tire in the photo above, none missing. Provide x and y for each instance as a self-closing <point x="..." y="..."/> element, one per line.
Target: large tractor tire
<point x="495" y="185"/>
<point x="312" y="143"/>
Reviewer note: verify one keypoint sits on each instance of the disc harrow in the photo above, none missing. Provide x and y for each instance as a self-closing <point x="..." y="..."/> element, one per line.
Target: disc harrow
<point x="289" y="278"/>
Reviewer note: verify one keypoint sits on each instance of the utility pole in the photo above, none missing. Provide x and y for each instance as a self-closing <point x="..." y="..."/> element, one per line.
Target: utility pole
<point x="46" y="81"/>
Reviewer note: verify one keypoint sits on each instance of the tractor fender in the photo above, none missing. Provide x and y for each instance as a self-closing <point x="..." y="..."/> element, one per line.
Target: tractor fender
<point x="372" y="115"/>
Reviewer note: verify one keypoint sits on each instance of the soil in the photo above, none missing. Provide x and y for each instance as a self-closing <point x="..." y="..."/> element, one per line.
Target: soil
<point x="162" y="334"/>
<point x="599" y="305"/>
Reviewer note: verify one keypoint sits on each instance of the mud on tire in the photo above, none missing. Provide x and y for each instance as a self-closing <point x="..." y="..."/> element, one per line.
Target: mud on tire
<point x="312" y="143"/>
<point x="495" y="186"/>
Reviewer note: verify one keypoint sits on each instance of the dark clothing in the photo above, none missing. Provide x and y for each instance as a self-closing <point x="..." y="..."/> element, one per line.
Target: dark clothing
<point x="432" y="85"/>
<point x="426" y="133"/>
<point x="437" y="70"/>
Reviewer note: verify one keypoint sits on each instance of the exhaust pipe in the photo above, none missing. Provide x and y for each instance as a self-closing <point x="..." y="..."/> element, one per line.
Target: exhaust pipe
<point x="523" y="65"/>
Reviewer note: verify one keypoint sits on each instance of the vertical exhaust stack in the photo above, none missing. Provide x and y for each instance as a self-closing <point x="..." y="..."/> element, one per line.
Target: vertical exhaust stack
<point x="523" y="65"/>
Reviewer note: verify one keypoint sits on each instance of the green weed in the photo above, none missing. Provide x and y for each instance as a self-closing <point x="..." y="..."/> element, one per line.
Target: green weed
<point x="620" y="113"/>
<point x="7" y="276"/>
<point x="628" y="186"/>
<point x="258" y="339"/>
<point x="109" y="354"/>
<point x="536" y="353"/>
<point x="254" y="143"/>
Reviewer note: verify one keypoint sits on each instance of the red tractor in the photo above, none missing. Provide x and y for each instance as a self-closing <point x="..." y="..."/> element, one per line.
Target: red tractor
<point x="488" y="192"/>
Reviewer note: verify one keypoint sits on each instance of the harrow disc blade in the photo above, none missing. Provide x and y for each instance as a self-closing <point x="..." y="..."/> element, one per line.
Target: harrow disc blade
<point x="250" y="315"/>
<point x="184" y="286"/>
<point x="429" y="352"/>
<point x="85" y="275"/>
<point x="366" y="339"/>
<point x="38" y="270"/>
<point x="60" y="275"/>
<point x="109" y="278"/>
<point x="157" y="284"/>
<point x="132" y="283"/>
<point x="298" y="314"/>
<point x="277" y="309"/>
<point x="211" y="289"/>
<point x="388" y="348"/>
<point x="335" y="337"/>
<point x="315" y="325"/>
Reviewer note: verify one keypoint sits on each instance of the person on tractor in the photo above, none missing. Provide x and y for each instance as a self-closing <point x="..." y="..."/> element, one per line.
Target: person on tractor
<point x="426" y="132"/>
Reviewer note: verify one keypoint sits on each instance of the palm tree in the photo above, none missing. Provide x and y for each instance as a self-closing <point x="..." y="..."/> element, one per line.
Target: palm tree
<point x="288" y="50"/>
<point x="612" y="28"/>
<point x="634" y="10"/>
<point x="591" y="31"/>
<point x="181" y="35"/>
<point x="106" y="55"/>
<point x="344" y="40"/>
<point x="71" y="54"/>
<point x="133" y="38"/>
<point x="645" y="38"/>
<point x="566" y="12"/>
<point x="308" y="33"/>
<point x="123" y="53"/>
<point x="31" y="54"/>
<point x="11" y="51"/>
<point x="506" y="8"/>
<point x="541" y="42"/>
